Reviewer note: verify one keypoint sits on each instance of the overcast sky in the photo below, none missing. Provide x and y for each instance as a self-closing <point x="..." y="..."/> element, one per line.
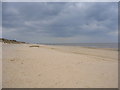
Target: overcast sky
<point x="40" y="22"/>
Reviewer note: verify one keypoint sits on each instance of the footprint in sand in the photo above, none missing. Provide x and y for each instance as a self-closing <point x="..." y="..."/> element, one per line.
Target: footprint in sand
<point x="21" y="62"/>
<point x="12" y="60"/>
<point x="39" y="74"/>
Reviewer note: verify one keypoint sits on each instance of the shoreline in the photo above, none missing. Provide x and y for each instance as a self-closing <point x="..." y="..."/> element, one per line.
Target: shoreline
<point x="89" y="45"/>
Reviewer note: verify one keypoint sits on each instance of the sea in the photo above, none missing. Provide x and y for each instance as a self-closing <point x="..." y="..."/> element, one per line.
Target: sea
<point x="94" y="45"/>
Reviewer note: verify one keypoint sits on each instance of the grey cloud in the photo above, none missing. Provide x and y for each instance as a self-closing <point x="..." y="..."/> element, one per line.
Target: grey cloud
<point x="58" y="20"/>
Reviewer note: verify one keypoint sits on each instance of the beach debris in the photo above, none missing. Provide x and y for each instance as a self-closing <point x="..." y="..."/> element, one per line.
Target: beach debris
<point x="12" y="60"/>
<point x="34" y="46"/>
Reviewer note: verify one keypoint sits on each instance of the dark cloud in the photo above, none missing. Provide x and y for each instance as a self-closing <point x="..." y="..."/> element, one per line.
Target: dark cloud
<point x="0" y="20"/>
<point x="51" y="21"/>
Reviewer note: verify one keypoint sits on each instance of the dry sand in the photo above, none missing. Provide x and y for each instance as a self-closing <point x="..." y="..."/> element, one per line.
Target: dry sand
<point x="0" y="65"/>
<point x="58" y="67"/>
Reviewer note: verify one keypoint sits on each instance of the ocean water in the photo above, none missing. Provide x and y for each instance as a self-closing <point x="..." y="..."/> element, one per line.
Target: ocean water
<point x="95" y="45"/>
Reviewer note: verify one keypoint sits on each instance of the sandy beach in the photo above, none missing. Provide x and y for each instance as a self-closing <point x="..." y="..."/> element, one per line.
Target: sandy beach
<point x="58" y="67"/>
<point x="0" y="65"/>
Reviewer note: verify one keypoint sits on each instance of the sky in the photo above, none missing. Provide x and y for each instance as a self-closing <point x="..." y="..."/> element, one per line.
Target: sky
<point x="60" y="22"/>
<point x="0" y="20"/>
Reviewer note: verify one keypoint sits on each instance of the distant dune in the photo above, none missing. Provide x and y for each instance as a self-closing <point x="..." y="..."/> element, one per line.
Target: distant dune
<point x="10" y="41"/>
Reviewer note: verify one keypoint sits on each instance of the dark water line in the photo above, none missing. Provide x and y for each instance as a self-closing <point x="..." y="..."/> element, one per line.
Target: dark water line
<point x="96" y="45"/>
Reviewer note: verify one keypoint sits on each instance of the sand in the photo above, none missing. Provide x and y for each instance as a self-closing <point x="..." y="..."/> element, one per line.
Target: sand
<point x="0" y="65"/>
<point x="58" y="67"/>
